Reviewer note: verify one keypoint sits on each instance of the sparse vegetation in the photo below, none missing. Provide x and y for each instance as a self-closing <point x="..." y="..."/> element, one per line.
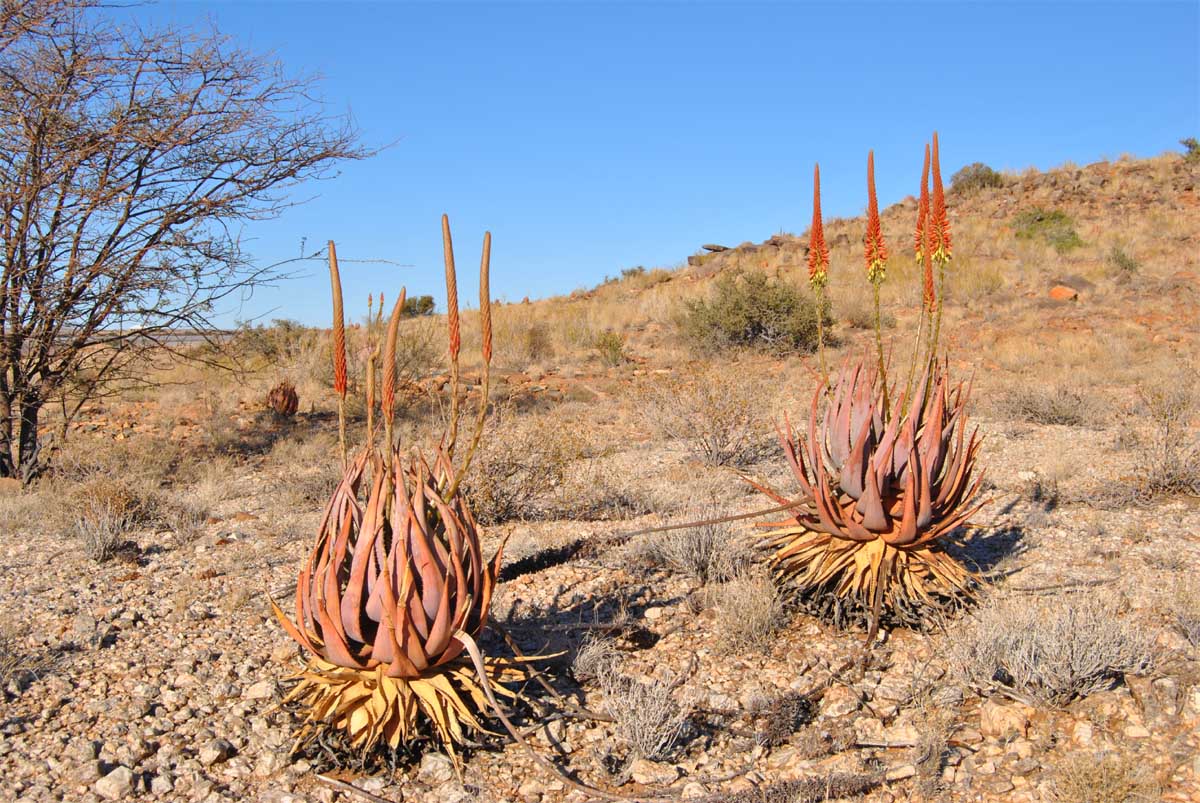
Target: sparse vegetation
<point x="708" y="552"/>
<point x="974" y="177"/>
<point x="1049" y="651"/>
<point x="1051" y="226"/>
<point x="102" y="525"/>
<point x="1059" y="405"/>
<point x="522" y="467"/>
<point x="752" y="310"/>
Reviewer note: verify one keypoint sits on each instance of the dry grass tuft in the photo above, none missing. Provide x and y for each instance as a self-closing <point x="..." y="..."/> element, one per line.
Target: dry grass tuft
<point x="521" y="467"/>
<point x="1104" y="778"/>
<point x="596" y="659"/>
<point x="185" y="518"/>
<point x="1051" y="650"/>
<point x="17" y="666"/>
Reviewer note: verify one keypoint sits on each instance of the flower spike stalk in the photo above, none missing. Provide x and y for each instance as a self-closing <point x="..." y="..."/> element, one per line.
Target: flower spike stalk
<point x="875" y="252"/>
<point x="388" y="398"/>
<point x="923" y="258"/>
<point x="818" y="268"/>
<point x="937" y="245"/>
<point x="339" y="348"/>
<point x="485" y="326"/>
<point x="453" y="324"/>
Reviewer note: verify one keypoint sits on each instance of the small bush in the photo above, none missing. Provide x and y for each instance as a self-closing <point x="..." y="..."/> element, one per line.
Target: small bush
<point x="1104" y="778"/>
<point x="751" y="309"/>
<point x="1121" y="262"/>
<point x="647" y="716"/>
<point x="1059" y="405"/>
<point x="610" y="346"/>
<point x="1052" y="226"/>
<point x="521" y="468"/>
<point x="17" y="666"/>
<point x="632" y="273"/>
<point x="1191" y="149"/>
<point x="975" y="177"/>
<point x="1051" y="650"/>
<point x="536" y="343"/>
<point x="749" y="611"/>
<point x="714" y="416"/>
<point x="1169" y="460"/>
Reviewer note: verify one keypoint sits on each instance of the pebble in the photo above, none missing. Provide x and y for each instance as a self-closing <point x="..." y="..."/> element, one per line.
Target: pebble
<point x="215" y="752"/>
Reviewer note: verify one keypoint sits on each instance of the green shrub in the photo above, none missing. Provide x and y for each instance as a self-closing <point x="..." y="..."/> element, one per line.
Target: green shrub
<point x="1191" y="147"/>
<point x="975" y="177"/>
<point x="417" y="306"/>
<point x="611" y="347"/>
<point x="751" y="309"/>
<point x="1052" y="226"/>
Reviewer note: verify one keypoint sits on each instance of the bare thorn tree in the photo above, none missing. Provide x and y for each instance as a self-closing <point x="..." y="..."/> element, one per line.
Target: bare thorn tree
<point x="128" y="160"/>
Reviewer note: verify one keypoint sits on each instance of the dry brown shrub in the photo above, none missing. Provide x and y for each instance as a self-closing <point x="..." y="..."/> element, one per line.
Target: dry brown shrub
<point x="1168" y="460"/>
<point x="647" y="715"/>
<point x="715" y="415"/>
<point x="1051" y="650"/>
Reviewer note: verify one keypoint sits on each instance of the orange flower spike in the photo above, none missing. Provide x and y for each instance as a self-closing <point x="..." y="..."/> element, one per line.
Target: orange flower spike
<point x="818" y="251"/>
<point x="922" y="210"/>
<point x="876" y="250"/>
<point x="939" y="221"/>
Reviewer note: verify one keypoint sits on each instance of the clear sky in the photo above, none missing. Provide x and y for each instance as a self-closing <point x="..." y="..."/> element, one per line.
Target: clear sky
<point x="592" y="137"/>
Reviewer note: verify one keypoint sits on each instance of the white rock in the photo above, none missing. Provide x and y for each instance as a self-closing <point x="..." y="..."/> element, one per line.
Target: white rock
<point x="117" y="785"/>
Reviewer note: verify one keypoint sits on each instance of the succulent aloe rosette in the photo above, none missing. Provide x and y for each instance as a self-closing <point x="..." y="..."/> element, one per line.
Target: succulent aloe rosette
<point x="881" y="489"/>
<point x="384" y="602"/>
<point x="396" y="590"/>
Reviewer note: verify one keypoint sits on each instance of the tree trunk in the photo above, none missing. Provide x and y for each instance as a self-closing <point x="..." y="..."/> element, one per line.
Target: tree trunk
<point x="29" y="446"/>
<point x="8" y="466"/>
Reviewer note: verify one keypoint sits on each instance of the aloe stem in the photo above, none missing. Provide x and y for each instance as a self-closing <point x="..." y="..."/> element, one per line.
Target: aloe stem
<point x="879" y="348"/>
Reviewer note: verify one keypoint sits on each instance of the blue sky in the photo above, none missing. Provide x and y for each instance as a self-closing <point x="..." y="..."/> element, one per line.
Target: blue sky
<point x="592" y="137"/>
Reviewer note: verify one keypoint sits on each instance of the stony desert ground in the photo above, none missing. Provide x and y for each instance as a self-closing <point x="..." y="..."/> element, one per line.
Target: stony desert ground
<point x="157" y="673"/>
